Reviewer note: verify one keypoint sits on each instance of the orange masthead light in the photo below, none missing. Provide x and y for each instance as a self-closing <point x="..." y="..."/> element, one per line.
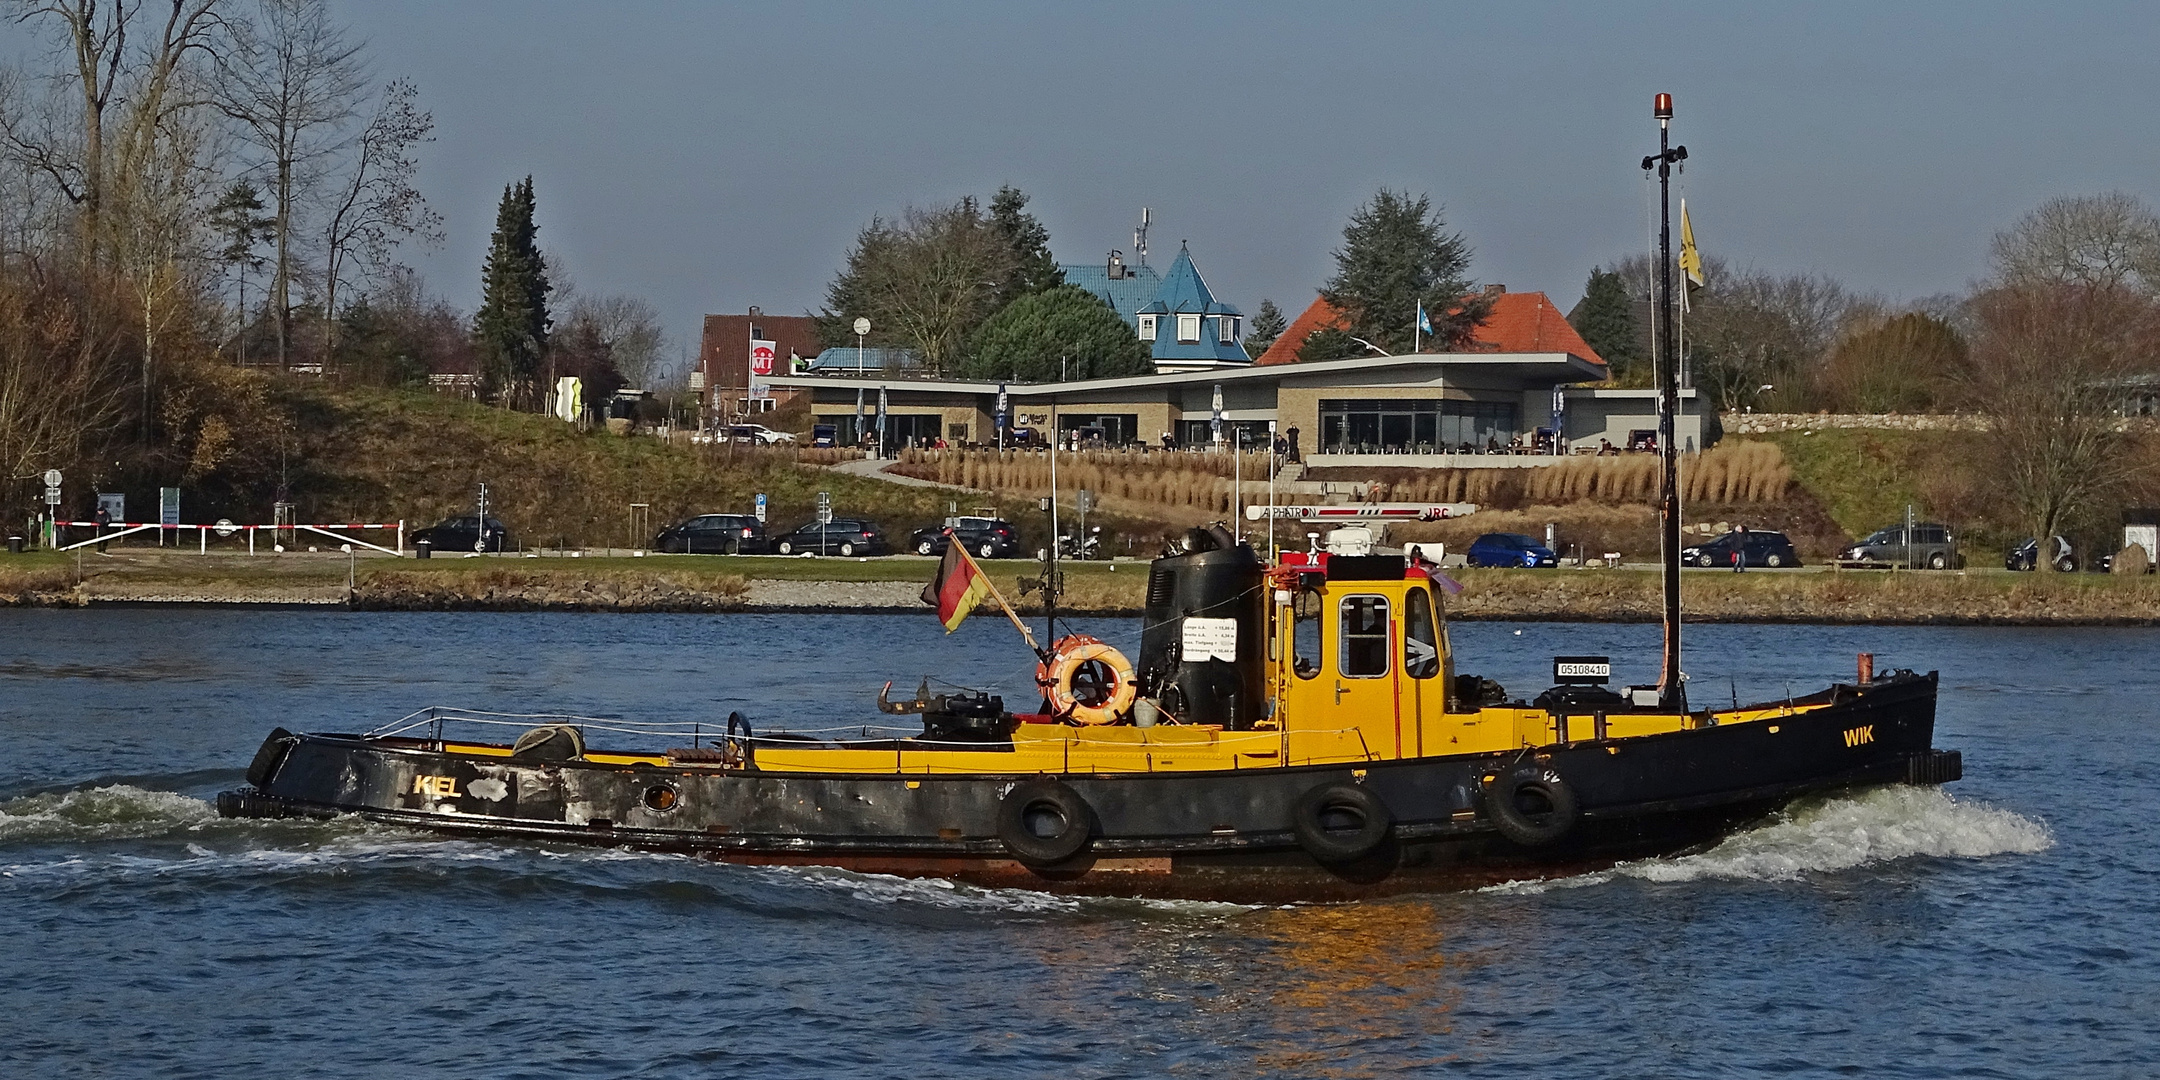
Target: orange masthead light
<point x="1664" y="107"/>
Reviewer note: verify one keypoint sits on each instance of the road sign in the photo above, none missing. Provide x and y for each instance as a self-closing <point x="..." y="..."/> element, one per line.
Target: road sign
<point x="1086" y="500"/>
<point x="761" y="508"/>
<point x="862" y="326"/>
<point x="52" y="496"/>
<point x="824" y="508"/>
<point x="224" y="528"/>
<point x="52" y="478"/>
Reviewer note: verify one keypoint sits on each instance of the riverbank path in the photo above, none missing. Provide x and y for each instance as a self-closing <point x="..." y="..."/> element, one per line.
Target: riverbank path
<point x="875" y="469"/>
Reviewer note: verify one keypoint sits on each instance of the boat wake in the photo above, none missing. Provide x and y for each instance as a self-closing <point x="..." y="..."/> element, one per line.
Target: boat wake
<point x="124" y="832"/>
<point x="1823" y="836"/>
<point x="113" y="812"/>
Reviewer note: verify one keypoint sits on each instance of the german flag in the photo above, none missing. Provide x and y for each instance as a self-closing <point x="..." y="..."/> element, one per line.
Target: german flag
<point x="957" y="588"/>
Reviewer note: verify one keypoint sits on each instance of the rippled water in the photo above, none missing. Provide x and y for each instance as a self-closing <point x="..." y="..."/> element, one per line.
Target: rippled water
<point x="2006" y="928"/>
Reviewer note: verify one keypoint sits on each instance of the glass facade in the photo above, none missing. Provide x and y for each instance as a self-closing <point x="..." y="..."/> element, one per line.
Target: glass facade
<point x="1414" y="426"/>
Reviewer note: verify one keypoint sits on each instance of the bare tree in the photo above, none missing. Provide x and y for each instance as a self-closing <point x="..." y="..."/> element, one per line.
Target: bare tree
<point x="2100" y="240"/>
<point x="113" y="97"/>
<point x="2049" y="371"/>
<point x="925" y="280"/>
<point x="293" y="81"/>
<point x="629" y="329"/>
<point x="58" y="393"/>
<point x="160" y="244"/>
<point x="375" y="204"/>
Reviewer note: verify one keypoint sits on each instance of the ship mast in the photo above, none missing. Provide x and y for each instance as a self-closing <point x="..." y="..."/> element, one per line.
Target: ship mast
<point x="1672" y="696"/>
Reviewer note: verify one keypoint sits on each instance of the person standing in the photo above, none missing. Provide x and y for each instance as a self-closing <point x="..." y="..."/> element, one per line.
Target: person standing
<point x="104" y="518"/>
<point x="1739" y="549"/>
<point x="1294" y="456"/>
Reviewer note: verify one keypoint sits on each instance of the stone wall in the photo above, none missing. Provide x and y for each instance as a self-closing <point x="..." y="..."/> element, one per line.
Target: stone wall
<point x="1766" y="423"/>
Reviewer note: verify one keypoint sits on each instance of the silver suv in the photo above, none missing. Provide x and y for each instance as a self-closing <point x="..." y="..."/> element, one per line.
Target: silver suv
<point x="1932" y="546"/>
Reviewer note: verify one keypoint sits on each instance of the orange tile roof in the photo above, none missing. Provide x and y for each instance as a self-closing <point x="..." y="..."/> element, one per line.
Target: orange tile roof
<point x="1320" y="316"/>
<point x="1520" y="322"/>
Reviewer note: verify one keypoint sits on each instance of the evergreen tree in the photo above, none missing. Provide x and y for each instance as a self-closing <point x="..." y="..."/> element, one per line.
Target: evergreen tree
<point x="238" y="221"/>
<point x="1033" y="268"/>
<point x="1061" y="332"/>
<point x="511" y="327"/>
<point x="1267" y="325"/>
<point x="1606" y="320"/>
<point x="1397" y="254"/>
<point x="1330" y="343"/>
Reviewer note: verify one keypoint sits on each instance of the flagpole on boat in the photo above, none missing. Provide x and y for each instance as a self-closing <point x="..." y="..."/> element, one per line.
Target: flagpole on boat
<point x="1672" y="696"/>
<point x="1050" y="572"/>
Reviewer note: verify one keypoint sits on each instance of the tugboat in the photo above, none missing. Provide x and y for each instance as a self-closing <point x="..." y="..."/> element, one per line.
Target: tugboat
<point x="1293" y="730"/>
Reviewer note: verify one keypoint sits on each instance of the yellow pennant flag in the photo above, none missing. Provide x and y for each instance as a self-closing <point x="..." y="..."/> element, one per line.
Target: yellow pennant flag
<point x="1690" y="259"/>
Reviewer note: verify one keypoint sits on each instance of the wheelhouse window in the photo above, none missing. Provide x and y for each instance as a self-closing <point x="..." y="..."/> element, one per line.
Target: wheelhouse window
<point x="1147" y="327"/>
<point x="1410" y="426"/>
<point x="1305" y="633"/>
<point x="1364" y="637"/>
<point x="1188" y="329"/>
<point x="1421" y="636"/>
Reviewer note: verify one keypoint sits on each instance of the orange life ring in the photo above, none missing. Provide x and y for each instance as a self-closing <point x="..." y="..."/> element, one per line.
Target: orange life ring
<point x="1069" y="656"/>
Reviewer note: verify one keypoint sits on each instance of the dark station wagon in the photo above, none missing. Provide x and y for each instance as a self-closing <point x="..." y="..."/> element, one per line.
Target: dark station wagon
<point x="464" y="534"/>
<point x="713" y="534"/>
<point x="843" y="536"/>
<point x="1758" y="547"/>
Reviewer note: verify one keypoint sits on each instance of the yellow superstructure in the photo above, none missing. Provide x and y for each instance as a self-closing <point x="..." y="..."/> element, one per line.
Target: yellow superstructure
<point x="1357" y="671"/>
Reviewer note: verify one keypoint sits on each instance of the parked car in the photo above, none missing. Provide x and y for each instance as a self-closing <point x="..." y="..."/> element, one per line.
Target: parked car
<point x="1758" y="547"/>
<point x="713" y="534"/>
<point x="758" y="435"/>
<point x="844" y="536"/>
<point x="985" y="537"/>
<point x="1930" y="545"/>
<point x="1509" y="549"/>
<point x="464" y="534"/>
<point x="2026" y="556"/>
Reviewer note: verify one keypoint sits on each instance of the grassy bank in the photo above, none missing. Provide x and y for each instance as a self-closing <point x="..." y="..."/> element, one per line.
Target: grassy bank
<point x="708" y="584"/>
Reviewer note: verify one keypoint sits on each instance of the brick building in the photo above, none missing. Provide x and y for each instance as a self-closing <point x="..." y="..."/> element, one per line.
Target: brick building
<point x="724" y="357"/>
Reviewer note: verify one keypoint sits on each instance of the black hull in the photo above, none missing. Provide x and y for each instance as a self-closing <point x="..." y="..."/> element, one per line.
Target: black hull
<point x="1199" y="835"/>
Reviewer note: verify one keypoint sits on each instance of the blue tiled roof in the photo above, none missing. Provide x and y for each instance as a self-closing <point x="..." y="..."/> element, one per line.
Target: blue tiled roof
<point x="1182" y="290"/>
<point x="843" y="360"/>
<point x="1127" y="294"/>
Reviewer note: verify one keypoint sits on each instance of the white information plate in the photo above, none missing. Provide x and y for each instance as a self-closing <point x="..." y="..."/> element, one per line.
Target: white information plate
<point x="1210" y="639"/>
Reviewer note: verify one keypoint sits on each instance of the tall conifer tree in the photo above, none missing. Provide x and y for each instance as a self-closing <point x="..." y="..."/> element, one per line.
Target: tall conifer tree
<point x="1606" y="320"/>
<point x="511" y="327"/>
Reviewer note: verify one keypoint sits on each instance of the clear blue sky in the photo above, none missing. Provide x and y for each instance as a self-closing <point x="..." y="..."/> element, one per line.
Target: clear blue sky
<point x="711" y="156"/>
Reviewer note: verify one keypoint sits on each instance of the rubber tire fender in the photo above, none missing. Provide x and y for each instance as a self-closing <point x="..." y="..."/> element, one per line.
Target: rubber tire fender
<point x="1036" y="796"/>
<point x="1519" y="825"/>
<point x="1307" y="821"/>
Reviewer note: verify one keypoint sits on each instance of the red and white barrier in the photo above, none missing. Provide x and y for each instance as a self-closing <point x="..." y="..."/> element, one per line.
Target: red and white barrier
<point x="129" y="528"/>
<point x="1362" y="511"/>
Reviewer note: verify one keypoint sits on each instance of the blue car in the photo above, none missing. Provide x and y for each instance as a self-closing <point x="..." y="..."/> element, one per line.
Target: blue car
<point x="1509" y="549"/>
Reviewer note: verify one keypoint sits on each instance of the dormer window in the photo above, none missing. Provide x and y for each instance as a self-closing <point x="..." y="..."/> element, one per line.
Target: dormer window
<point x="1188" y="329"/>
<point x="1147" y="327"/>
<point x="1226" y="328"/>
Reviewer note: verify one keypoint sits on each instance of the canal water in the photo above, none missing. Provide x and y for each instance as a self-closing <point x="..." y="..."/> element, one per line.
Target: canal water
<point x="2009" y="927"/>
